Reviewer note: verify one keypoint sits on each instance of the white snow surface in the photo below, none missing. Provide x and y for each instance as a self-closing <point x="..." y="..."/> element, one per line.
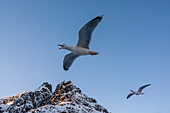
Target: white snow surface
<point x="3" y="107"/>
<point x="70" y="107"/>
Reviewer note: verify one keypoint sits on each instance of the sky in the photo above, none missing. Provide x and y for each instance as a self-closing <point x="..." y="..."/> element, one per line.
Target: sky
<point x="133" y="41"/>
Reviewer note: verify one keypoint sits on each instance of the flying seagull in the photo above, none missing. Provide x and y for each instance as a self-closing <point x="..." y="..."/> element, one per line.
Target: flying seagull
<point x="82" y="47"/>
<point x="138" y="92"/>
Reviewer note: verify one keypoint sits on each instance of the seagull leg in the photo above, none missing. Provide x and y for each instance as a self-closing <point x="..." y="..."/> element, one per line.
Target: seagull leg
<point x="94" y="53"/>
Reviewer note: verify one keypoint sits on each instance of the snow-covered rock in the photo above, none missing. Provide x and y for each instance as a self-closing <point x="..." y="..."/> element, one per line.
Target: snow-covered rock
<point x="66" y="98"/>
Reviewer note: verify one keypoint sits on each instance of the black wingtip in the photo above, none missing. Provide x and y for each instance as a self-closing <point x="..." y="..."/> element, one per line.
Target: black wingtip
<point x="98" y="17"/>
<point x="148" y="84"/>
<point x="66" y="69"/>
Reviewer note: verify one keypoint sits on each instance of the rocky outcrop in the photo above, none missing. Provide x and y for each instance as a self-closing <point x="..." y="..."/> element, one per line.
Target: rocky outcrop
<point x="66" y="98"/>
<point x="32" y="100"/>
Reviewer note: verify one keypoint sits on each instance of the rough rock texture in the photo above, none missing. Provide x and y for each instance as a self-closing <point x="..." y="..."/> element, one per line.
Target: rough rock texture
<point x="6" y="100"/>
<point x="32" y="100"/>
<point x="66" y="98"/>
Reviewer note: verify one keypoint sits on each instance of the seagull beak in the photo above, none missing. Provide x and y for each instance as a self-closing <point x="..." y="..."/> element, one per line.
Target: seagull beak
<point x="61" y="46"/>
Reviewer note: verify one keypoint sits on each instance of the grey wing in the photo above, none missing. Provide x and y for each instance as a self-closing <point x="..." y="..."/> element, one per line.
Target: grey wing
<point x="130" y="95"/>
<point x="86" y="32"/>
<point x="141" y="88"/>
<point x="68" y="60"/>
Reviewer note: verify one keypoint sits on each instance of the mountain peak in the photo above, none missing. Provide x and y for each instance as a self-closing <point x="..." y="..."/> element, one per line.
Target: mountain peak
<point x="66" y="98"/>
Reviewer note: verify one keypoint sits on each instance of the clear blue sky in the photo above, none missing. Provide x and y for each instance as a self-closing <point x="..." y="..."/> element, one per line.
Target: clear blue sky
<point x="133" y="41"/>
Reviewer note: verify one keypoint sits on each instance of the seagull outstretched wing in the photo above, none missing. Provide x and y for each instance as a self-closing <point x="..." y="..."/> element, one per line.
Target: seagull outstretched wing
<point x="68" y="60"/>
<point x="130" y="95"/>
<point x="86" y="32"/>
<point x="141" y="88"/>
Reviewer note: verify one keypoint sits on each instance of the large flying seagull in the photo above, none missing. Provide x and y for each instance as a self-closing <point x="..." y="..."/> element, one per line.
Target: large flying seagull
<point x="82" y="47"/>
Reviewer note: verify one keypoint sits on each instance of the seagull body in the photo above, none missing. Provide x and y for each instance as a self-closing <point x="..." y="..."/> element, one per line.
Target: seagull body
<point x="82" y="47"/>
<point x="138" y="92"/>
<point x="78" y="50"/>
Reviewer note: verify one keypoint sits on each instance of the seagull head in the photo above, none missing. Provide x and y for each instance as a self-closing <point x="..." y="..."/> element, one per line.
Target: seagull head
<point x="131" y="90"/>
<point x="62" y="46"/>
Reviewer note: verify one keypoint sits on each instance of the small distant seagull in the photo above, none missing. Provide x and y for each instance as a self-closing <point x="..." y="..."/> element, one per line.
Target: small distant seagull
<point x="138" y="92"/>
<point x="82" y="47"/>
